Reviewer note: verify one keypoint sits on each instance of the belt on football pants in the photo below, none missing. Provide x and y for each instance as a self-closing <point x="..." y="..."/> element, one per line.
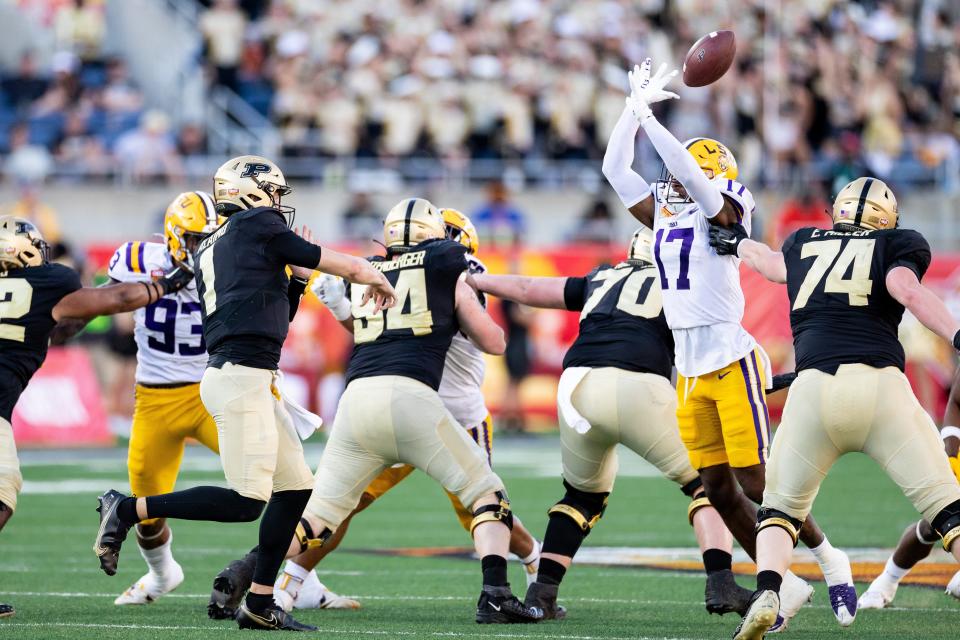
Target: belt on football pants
<point x="167" y="385"/>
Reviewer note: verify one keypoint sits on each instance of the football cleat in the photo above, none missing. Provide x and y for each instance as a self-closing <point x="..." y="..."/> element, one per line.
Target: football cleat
<point x="6" y="611"/>
<point x="878" y="595"/>
<point x="953" y="587"/>
<point x="270" y="619"/>
<point x="843" y="601"/>
<point x="229" y="587"/>
<point x="290" y="592"/>
<point x="794" y="593"/>
<point x="761" y="615"/>
<point x="723" y="595"/>
<point x="779" y="626"/>
<point x="544" y="597"/>
<point x="151" y="586"/>
<point x="498" y="605"/>
<point x="112" y="531"/>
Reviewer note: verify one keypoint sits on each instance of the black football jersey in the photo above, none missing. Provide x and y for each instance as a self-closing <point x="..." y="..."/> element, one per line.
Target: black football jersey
<point x="27" y="299"/>
<point x="243" y="286"/>
<point x="412" y="338"/>
<point x="840" y="309"/>
<point x="621" y="320"/>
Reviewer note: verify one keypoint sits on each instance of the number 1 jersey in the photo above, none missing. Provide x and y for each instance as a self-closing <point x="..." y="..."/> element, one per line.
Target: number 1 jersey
<point x="840" y="309"/>
<point x="702" y="297"/>
<point x="169" y="332"/>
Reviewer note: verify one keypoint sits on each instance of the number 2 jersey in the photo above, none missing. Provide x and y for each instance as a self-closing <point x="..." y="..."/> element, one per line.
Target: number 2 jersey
<point x="27" y="299"/>
<point x="840" y="309"/>
<point x="702" y="296"/>
<point x="169" y="332"/>
<point x="412" y="338"/>
<point x="622" y="323"/>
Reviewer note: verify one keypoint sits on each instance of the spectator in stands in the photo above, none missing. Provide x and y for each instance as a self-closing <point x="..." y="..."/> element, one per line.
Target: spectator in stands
<point x="80" y="152"/>
<point x="27" y="162"/>
<point x="121" y="94"/>
<point x="148" y="152"/>
<point x="596" y="224"/>
<point x="223" y="27"/>
<point x="80" y="27"/>
<point x="497" y="220"/>
<point x="361" y="220"/>
<point x="29" y="206"/>
<point x="24" y="86"/>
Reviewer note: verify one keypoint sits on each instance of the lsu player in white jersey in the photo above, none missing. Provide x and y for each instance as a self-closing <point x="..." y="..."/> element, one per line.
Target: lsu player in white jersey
<point x="460" y="391"/>
<point x="171" y="357"/>
<point x="722" y="371"/>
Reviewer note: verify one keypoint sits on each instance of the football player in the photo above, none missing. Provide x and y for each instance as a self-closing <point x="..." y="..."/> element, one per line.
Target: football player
<point x="247" y="303"/>
<point x="171" y="357"/>
<point x="460" y="391"/>
<point x="36" y="295"/>
<point x="848" y="287"/>
<point x="722" y="370"/>
<point x="919" y="538"/>
<point x="615" y="388"/>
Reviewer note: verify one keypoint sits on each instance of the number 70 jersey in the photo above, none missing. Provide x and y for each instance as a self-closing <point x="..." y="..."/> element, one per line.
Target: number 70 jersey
<point x="169" y="332"/>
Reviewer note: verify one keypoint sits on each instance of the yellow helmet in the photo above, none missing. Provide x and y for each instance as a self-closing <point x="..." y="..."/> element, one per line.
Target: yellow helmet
<point x="461" y="230"/>
<point x="412" y="221"/>
<point x="247" y="182"/>
<point x="641" y="246"/>
<point x="868" y="203"/>
<point x="21" y="244"/>
<point x="190" y="216"/>
<point x="713" y="157"/>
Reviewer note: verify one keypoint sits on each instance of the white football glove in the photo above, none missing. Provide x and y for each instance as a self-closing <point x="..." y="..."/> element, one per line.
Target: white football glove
<point x="332" y="292"/>
<point x="646" y="90"/>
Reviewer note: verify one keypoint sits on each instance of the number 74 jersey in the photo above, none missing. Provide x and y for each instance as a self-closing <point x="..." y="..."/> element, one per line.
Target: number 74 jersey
<point x="169" y="332"/>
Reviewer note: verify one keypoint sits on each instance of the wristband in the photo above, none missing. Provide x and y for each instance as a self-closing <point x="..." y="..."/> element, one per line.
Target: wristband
<point x="949" y="432"/>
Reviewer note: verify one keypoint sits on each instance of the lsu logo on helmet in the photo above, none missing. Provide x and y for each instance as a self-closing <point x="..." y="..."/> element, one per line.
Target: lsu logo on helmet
<point x="189" y="218"/>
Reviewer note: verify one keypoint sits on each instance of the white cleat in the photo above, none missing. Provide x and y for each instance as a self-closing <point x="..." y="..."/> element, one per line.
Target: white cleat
<point x="794" y="593"/>
<point x="953" y="587"/>
<point x="878" y="595"/>
<point x="761" y="615"/>
<point x="151" y="586"/>
<point x="290" y="592"/>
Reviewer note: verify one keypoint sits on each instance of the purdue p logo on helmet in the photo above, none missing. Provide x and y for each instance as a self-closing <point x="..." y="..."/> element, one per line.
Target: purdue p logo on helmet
<point x="21" y="244"/>
<point x="247" y="182"/>
<point x="412" y="221"/>
<point x="867" y="203"/>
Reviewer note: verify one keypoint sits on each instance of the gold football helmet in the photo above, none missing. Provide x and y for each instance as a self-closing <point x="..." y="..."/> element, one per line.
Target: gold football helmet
<point x="246" y="182"/>
<point x="461" y="230"/>
<point x="190" y="217"/>
<point x="411" y="222"/>
<point x="641" y="246"/>
<point x="714" y="159"/>
<point x="21" y="244"/>
<point x="868" y="203"/>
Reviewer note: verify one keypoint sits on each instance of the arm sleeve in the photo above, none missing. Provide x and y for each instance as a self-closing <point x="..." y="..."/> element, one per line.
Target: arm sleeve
<point x="909" y="249"/>
<point x="684" y="168"/>
<point x="574" y="293"/>
<point x="618" y="161"/>
<point x="289" y="248"/>
<point x="294" y="293"/>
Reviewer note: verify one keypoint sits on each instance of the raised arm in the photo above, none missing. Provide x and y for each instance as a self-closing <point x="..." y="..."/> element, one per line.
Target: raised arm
<point x="476" y="323"/>
<point x="631" y="188"/>
<point x="88" y="302"/>
<point x="545" y="293"/>
<point x="905" y="287"/>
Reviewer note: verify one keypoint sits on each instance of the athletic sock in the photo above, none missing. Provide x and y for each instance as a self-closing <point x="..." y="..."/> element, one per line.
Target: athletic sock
<point x="259" y="602"/>
<point x="296" y="570"/>
<point x="769" y="581"/>
<point x="277" y="526"/>
<point x="494" y="571"/>
<point x="159" y="559"/>
<point x="715" y="560"/>
<point x="534" y="555"/>
<point x="551" y="571"/>
<point x="127" y="510"/>
<point x="893" y="572"/>
<point x="822" y="551"/>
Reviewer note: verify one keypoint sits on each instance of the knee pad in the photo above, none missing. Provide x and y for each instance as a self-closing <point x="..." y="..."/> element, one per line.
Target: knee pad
<point x="947" y="524"/>
<point x="773" y="518"/>
<point x="696" y="504"/>
<point x="499" y="512"/>
<point x="307" y="538"/>
<point x="692" y="488"/>
<point x="583" y="507"/>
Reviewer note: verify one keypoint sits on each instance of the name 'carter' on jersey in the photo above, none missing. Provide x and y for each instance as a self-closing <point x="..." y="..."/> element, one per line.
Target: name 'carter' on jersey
<point x="410" y="339"/>
<point x="840" y="309"/>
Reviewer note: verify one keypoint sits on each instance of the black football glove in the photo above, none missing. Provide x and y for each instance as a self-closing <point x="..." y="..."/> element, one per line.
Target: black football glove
<point x="726" y="240"/>
<point x="782" y="381"/>
<point x="177" y="279"/>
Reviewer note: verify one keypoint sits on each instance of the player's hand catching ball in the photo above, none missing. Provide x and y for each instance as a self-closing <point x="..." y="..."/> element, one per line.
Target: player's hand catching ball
<point x="726" y="240"/>
<point x="332" y="292"/>
<point x="646" y="90"/>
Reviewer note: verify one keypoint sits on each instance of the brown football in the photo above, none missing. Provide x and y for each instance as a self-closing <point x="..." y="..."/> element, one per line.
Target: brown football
<point x="709" y="58"/>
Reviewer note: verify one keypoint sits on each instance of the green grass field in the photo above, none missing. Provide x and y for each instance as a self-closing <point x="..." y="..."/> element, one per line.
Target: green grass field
<point x="47" y="568"/>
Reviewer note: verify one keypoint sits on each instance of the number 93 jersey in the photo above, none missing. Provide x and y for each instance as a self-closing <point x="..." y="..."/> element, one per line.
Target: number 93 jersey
<point x="840" y="309"/>
<point x="410" y="339"/>
<point x="169" y="332"/>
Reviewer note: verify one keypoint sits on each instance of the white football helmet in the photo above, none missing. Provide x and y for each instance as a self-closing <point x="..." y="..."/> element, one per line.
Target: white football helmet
<point x="247" y="182"/>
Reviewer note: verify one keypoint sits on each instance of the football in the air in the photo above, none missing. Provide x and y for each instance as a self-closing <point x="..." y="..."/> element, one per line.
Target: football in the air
<point x="709" y="58"/>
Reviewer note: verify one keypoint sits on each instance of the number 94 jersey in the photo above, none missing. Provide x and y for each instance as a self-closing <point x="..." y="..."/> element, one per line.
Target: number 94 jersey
<point x="412" y="338"/>
<point x="840" y="309"/>
<point x="169" y="332"/>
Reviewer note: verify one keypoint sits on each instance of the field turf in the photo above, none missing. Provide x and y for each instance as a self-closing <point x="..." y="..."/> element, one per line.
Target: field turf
<point x="48" y="571"/>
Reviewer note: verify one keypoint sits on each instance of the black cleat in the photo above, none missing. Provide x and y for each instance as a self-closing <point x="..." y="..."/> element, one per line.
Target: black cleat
<point x="272" y="618"/>
<point x="544" y="597"/>
<point x="6" y="611"/>
<point x="229" y="587"/>
<point x="112" y="532"/>
<point x="498" y="605"/>
<point x="723" y="594"/>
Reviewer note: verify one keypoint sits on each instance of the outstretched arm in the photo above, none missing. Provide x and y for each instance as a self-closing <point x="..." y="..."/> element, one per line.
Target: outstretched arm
<point x="905" y="287"/>
<point x="545" y="293"/>
<point x="359" y="271"/>
<point x="476" y="323"/>
<point x="87" y="303"/>
<point x="631" y="188"/>
<point x="764" y="260"/>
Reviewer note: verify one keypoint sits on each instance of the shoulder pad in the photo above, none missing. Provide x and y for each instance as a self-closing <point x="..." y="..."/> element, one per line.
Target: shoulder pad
<point x="474" y="265"/>
<point x="739" y="193"/>
<point x="129" y="262"/>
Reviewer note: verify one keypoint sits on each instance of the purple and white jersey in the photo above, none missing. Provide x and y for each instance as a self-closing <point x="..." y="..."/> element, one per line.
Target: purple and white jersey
<point x="702" y="297"/>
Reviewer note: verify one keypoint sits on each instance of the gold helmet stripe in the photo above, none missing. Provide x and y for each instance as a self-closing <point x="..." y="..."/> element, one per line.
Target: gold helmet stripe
<point x="406" y="222"/>
<point x="693" y="141"/>
<point x="863" y="200"/>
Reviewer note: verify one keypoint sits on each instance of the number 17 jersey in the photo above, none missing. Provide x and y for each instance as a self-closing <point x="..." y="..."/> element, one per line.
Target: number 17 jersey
<point x="702" y="297"/>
